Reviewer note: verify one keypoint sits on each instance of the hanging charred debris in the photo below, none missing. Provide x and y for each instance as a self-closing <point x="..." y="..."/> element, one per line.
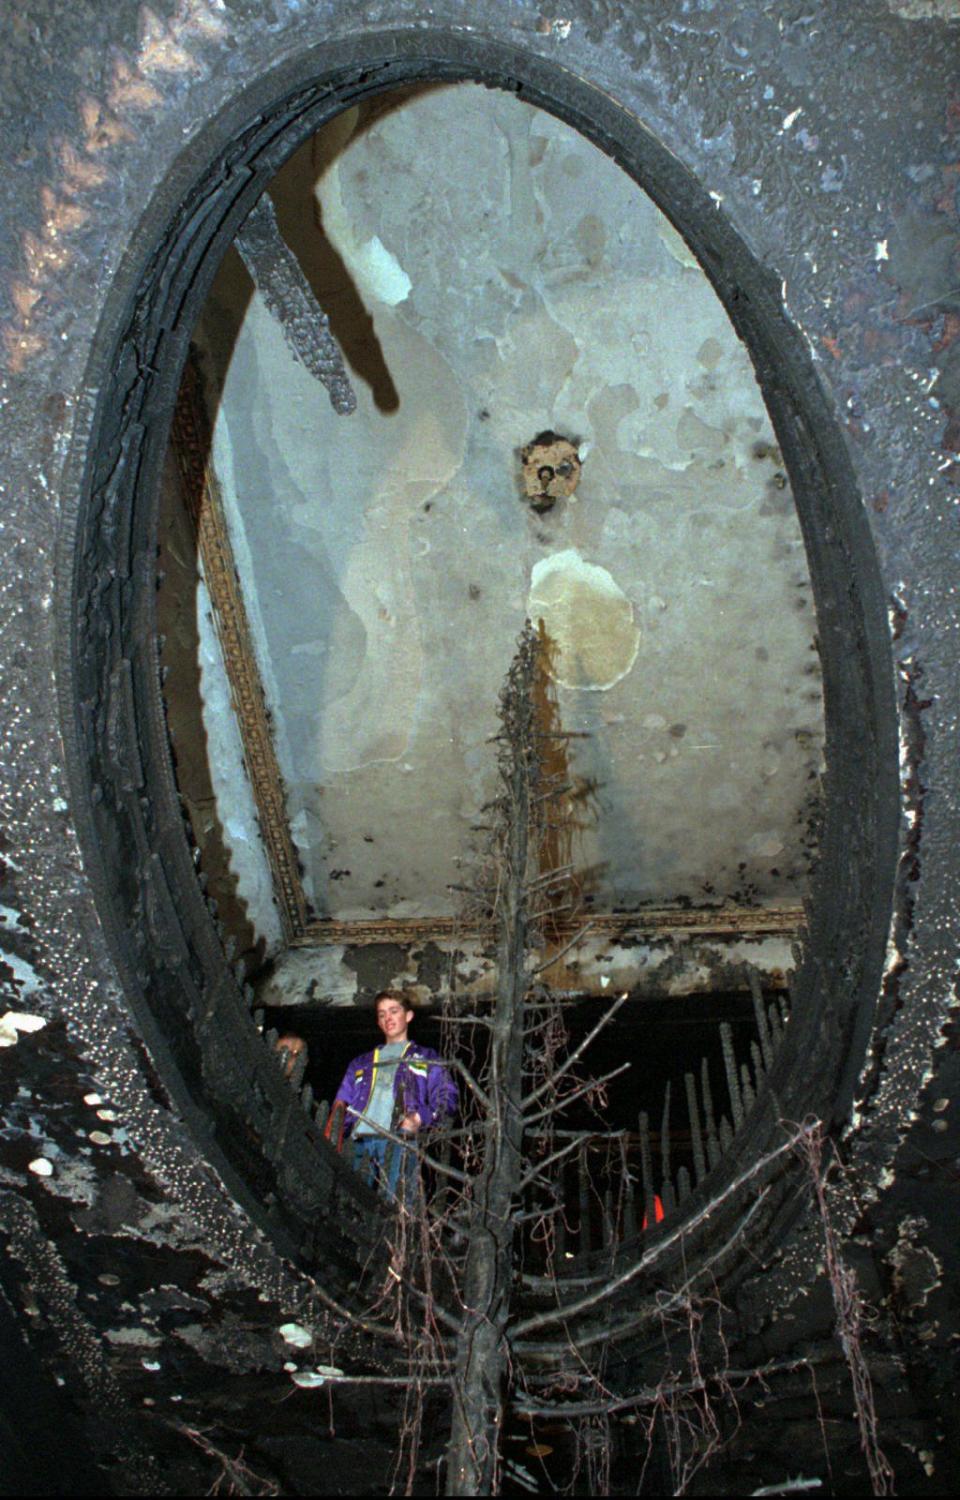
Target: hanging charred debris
<point x="289" y="298"/>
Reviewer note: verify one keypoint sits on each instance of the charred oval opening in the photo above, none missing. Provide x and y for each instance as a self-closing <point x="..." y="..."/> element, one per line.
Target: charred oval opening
<point x="194" y="951"/>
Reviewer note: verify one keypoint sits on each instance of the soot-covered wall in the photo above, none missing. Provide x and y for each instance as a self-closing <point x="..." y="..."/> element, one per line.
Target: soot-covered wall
<point x="148" y="1272"/>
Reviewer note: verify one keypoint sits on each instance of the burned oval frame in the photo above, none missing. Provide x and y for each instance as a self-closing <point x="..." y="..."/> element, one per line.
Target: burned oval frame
<point x="177" y="976"/>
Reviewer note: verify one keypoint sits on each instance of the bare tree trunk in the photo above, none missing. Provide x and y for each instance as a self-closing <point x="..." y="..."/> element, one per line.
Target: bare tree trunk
<point x="479" y="1387"/>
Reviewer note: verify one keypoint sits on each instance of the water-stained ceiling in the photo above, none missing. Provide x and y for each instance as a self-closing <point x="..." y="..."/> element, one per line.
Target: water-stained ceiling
<point x="490" y="274"/>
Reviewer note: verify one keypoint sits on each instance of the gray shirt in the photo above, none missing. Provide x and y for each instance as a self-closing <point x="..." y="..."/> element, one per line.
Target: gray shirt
<point x="379" y="1110"/>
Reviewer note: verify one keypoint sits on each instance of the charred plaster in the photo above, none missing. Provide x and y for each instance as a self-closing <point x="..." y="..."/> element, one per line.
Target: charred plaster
<point x="344" y="974"/>
<point x="819" y="165"/>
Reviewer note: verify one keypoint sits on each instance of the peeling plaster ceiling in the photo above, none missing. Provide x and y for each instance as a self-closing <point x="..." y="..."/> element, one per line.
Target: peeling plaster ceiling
<point x="491" y="274"/>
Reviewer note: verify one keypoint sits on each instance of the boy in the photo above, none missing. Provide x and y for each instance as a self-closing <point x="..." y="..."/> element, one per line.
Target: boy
<point x="401" y="1087"/>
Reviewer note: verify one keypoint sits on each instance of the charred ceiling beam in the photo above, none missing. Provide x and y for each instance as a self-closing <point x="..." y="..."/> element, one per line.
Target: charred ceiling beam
<point x="289" y="298"/>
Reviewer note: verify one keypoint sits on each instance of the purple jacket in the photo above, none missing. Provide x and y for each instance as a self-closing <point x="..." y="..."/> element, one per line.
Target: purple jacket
<point x="419" y="1082"/>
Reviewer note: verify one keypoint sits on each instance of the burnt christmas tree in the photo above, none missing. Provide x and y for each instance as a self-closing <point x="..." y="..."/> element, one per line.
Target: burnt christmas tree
<point x="530" y="890"/>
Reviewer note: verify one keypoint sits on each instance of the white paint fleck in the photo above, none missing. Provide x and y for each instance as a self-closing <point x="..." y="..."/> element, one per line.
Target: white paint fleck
<point x="677" y="247"/>
<point x="12" y="1022"/>
<point x="92" y="1099"/>
<point x="295" y="1334"/>
<point x="381" y="272"/>
<point x="99" y="1138"/>
<point x="24" y="1020"/>
<point x="41" y="1166"/>
<point x="792" y="118"/>
<point x="880" y="250"/>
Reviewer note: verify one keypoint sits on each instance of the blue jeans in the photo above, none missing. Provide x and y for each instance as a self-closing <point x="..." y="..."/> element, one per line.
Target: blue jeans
<point x="370" y="1155"/>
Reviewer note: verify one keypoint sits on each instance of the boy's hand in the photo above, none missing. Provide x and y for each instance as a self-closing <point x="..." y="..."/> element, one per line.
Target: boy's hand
<point x="411" y="1123"/>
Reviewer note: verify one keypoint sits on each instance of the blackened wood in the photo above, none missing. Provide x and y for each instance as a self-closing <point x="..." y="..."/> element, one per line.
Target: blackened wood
<point x="288" y="297"/>
<point x="730" y="1065"/>
<point x="699" y="1163"/>
<point x="710" y="1123"/>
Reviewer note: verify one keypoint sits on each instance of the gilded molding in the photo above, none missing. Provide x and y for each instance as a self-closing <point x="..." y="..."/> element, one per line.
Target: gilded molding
<point x="192" y="442"/>
<point x="721" y="922"/>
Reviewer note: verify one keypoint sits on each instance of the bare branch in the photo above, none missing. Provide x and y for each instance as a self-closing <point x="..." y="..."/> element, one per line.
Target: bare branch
<point x="561" y="734"/>
<point x="408" y="1142"/>
<point x="849" y="1308"/>
<point x="239" y="1477"/>
<point x="553" y="792"/>
<point x="585" y="1088"/>
<point x="657" y="1394"/>
<point x="434" y="1309"/>
<point x="404" y="1380"/>
<point x="679" y="1299"/>
<point x="549" y="877"/>
<point x="573" y="1309"/>
<point x="548" y="1161"/>
<point x="556" y="957"/>
<point x="468" y="1078"/>
<point x="578" y="1051"/>
<point x="536" y="1214"/>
